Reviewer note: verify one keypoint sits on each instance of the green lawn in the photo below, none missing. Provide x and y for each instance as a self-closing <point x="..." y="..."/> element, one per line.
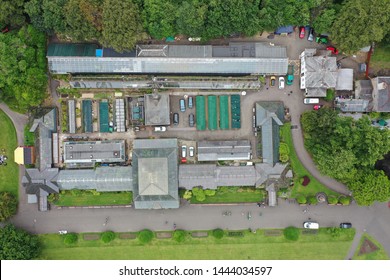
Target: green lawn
<point x="299" y="170"/>
<point x="377" y="255"/>
<point x="9" y="175"/>
<point x="380" y="59"/>
<point x="233" y="195"/>
<point x="250" y="246"/>
<point x="29" y="137"/>
<point x="85" y="198"/>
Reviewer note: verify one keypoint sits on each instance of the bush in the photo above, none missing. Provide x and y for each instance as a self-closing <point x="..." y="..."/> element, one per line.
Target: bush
<point x="329" y="95"/>
<point x="291" y="233"/>
<point x="70" y="238"/>
<point x="187" y="194"/>
<point x="179" y="235"/>
<point x="108" y="236"/>
<point x="345" y="200"/>
<point x="8" y="206"/>
<point x="198" y="193"/>
<point x="334" y="232"/>
<point x="145" y="236"/>
<point x="209" y="192"/>
<point x="218" y="233"/>
<point x="332" y="199"/>
<point x="283" y="152"/>
<point x="312" y="200"/>
<point x="301" y="199"/>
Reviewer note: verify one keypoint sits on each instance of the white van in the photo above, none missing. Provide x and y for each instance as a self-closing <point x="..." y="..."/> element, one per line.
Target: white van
<point x="311" y="100"/>
<point x="311" y="225"/>
<point x="160" y="128"/>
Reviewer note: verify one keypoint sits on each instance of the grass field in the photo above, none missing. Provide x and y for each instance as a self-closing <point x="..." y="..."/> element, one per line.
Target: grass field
<point x="9" y="175"/>
<point x="381" y="57"/>
<point x="233" y="195"/>
<point x="377" y="255"/>
<point x="85" y="198"/>
<point x="250" y="246"/>
<point x="299" y="170"/>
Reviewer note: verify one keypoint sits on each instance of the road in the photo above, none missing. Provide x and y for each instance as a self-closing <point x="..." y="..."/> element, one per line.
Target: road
<point x="373" y="220"/>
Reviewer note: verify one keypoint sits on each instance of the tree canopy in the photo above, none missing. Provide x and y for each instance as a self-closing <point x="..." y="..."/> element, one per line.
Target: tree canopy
<point x="17" y="244"/>
<point x="23" y="79"/>
<point x="347" y="150"/>
<point x="8" y="206"/>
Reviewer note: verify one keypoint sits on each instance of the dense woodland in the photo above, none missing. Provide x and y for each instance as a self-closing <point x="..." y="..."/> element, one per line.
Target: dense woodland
<point x="347" y="150"/>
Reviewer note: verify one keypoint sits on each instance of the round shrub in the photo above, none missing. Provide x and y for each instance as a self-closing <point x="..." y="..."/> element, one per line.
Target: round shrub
<point x="312" y="200"/>
<point x="301" y="199"/>
<point x="70" y="238"/>
<point x="332" y="199"/>
<point x="218" y="233"/>
<point x="145" y="236"/>
<point x="291" y="233"/>
<point x="345" y="200"/>
<point x="108" y="236"/>
<point x="179" y="235"/>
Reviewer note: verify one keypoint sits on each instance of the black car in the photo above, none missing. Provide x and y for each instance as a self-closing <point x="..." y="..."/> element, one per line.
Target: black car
<point x="191" y="120"/>
<point x="345" y="225"/>
<point x="175" y="118"/>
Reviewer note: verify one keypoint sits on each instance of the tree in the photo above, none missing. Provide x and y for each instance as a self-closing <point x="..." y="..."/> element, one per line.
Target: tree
<point x="70" y="238"/>
<point x="324" y="21"/>
<point x="8" y="206"/>
<point x="17" y="244"/>
<point x="159" y="18"/>
<point x="108" y="236"/>
<point x="360" y="23"/>
<point x="191" y="17"/>
<point x="198" y="193"/>
<point x="11" y="12"/>
<point x="179" y="235"/>
<point x="122" y="26"/>
<point x="145" y="236"/>
<point x="218" y="233"/>
<point x="291" y="233"/>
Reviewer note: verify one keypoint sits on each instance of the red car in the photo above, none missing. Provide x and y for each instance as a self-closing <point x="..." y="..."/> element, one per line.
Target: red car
<point x="302" y="32"/>
<point x="332" y="49"/>
<point x="317" y="107"/>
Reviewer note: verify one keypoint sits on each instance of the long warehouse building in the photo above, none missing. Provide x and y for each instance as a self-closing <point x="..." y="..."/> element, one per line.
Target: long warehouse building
<point x="237" y="58"/>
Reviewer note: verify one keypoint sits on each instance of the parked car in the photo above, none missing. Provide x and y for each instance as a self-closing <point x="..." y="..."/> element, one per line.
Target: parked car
<point x="191" y="151"/>
<point x="160" y="128"/>
<point x="175" y="118"/>
<point x="281" y="82"/>
<point x="191" y="120"/>
<point x="333" y="50"/>
<point x="311" y="100"/>
<point x="273" y="80"/>
<point x="317" y="107"/>
<point x="183" y="151"/>
<point x="302" y="32"/>
<point x="311" y="225"/>
<point x="345" y="225"/>
<point x="310" y="36"/>
<point x="182" y="105"/>
<point x="322" y="39"/>
<point x="190" y="102"/>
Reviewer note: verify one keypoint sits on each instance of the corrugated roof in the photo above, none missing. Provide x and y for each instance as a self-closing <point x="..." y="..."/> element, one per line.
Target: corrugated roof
<point x="103" y="116"/>
<point x="381" y="94"/>
<point x="72" y="116"/>
<point x="212" y="112"/>
<point x="224" y="150"/>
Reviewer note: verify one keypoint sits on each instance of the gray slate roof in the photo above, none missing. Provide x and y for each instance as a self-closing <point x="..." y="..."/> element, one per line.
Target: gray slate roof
<point x="269" y="116"/>
<point x="157" y="110"/>
<point x="344" y="79"/>
<point x="354" y="105"/>
<point x="381" y="94"/>
<point x="155" y="174"/>
<point x="224" y="150"/>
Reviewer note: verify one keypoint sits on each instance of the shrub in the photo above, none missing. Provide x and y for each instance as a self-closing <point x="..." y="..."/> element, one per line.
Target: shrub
<point x="301" y="199"/>
<point x="209" y="192"/>
<point x="179" y="235"/>
<point x="305" y="180"/>
<point x="8" y="206"/>
<point x="187" y="194"/>
<point x="329" y="95"/>
<point x="312" y="200"/>
<point x="334" y="232"/>
<point x="332" y="199"/>
<point x="291" y="233"/>
<point x="283" y="152"/>
<point x="145" y="236"/>
<point x="345" y="200"/>
<point x="94" y="192"/>
<point x="70" y="238"/>
<point x="108" y="236"/>
<point x="198" y="193"/>
<point x="218" y="233"/>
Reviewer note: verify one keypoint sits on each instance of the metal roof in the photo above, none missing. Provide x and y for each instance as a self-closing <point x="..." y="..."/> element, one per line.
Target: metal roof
<point x="155" y="173"/>
<point x="344" y="79"/>
<point x="72" y="116"/>
<point x="224" y="150"/>
<point x="120" y="117"/>
<point x="94" y="151"/>
<point x="157" y="110"/>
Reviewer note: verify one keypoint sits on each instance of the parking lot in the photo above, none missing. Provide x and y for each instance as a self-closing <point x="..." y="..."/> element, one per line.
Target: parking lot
<point x="183" y="116"/>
